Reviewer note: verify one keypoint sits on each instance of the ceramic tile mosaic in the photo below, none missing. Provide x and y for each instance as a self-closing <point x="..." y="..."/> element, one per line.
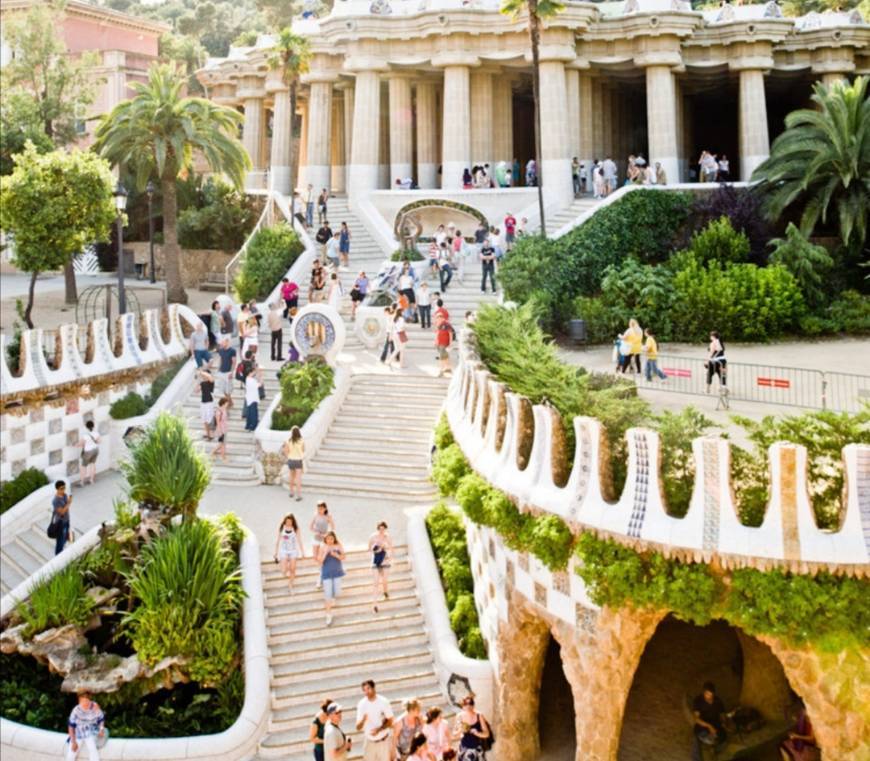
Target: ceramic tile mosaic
<point x="586" y="618"/>
<point x="37" y="414"/>
<point x="37" y="446"/>
<point x="510" y="576"/>
<point x="16" y="436"/>
<point x="863" y="488"/>
<point x="18" y="467"/>
<point x="72" y="467"/>
<point x="560" y="582"/>
<point x="72" y="438"/>
<point x="55" y="426"/>
<point x="523" y="559"/>
<point x="541" y="595"/>
<point x="641" y="487"/>
<point x="55" y="457"/>
<point x="711" y="495"/>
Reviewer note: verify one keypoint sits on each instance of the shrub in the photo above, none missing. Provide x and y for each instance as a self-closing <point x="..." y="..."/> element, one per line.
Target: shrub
<point x="189" y="592"/>
<point x="222" y="218"/>
<point x="443" y="436"/>
<point x="26" y="482"/>
<point x="850" y="313"/>
<point x="637" y="290"/>
<point x="743" y="208"/>
<point x="411" y="254"/>
<point x="130" y="405"/>
<point x="270" y="253"/>
<point x="165" y="469"/>
<point x="741" y="301"/>
<point x="58" y="601"/>
<point x="551" y="541"/>
<point x="677" y="431"/>
<point x="809" y="264"/>
<point x="448" y="469"/>
<point x="304" y="385"/>
<point x="719" y="242"/>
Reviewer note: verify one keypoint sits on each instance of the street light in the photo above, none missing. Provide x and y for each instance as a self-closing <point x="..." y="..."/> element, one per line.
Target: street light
<point x="121" y="204"/>
<point x="149" y="191"/>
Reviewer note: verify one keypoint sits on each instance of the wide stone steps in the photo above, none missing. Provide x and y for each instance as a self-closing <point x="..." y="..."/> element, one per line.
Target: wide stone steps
<point x="570" y="213"/>
<point x="25" y="553"/>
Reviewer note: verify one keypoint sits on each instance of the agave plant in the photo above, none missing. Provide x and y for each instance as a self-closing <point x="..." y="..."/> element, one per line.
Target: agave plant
<point x="165" y="470"/>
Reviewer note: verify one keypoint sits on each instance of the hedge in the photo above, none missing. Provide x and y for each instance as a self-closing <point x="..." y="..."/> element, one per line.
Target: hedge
<point x="26" y="482"/>
<point x="270" y="253"/>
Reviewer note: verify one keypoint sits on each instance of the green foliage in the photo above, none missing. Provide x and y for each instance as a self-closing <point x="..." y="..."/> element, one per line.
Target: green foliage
<point x="677" y="431"/>
<point x="550" y="540"/>
<point x="449" y="468"/>
<point x="850" y="313"/>
<point x="30" y="694"/>
<point x="401" y="254"/>
<point x="303" y="386"/>
<point x="19" y="123"/>
<point x="616" y="576"/>
<point x="720" y="242"/>
<point x="222" y="219"/>
<point x="189" y="593"/>
<point x="832" y="612"/>
<point x="809" y="264"/>
<point x="26" y="482"/>
<point x="133" y="404"/>
<point x="75" y="187"/>
<point x="57" y="601"/>
<point x="442" y="436"/>
<point x="165" y="470"/>
<point x="45" y="89"/>
<point x="447" y="535"/>
<point x="742" y="301"/>
<point x="270" y="253"/>
<point x="824" y="434"/>
<point x="821" y="162"/>
<point x="187" y="51"/>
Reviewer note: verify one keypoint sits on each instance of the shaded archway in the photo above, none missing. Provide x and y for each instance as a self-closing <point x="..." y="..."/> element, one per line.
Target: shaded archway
<point x="677" y="660"/>
<point x="556" y="717"/>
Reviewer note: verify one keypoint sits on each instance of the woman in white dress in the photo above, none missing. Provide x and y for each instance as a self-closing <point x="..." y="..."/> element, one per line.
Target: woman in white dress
<point x="288" y="547"/>
<point x="333" y="297"/>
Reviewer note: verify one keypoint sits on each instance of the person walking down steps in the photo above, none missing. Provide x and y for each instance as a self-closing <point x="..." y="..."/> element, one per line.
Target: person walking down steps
<point x="331" y="557"/>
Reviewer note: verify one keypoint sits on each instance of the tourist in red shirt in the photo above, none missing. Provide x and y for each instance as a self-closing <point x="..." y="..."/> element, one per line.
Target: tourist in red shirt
<point x="510" y="230"/>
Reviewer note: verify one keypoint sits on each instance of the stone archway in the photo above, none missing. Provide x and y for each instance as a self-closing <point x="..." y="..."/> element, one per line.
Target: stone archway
<point x="428" y="213"/>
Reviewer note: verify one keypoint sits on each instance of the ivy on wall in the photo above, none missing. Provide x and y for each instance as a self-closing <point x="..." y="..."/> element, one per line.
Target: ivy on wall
<point x="830" y="612"/>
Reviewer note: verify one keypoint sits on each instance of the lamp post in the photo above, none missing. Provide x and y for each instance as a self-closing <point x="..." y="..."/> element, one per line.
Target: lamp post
<point x="120" y="205"/>
<point x="149" y="191"/>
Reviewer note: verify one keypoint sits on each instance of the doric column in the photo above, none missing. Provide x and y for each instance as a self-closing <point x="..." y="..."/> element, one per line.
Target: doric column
<point x="597" y="119"/>
<point x="481" y="118"/>
<point x="319" y="129"/>
<point x="607" y="110"/>
<point x="502" y="118"/>
<point x="348" y="131"/>
<point x="384" y="180"/>
<point x="252" y="95"/>
<point x="279" y="163"/>
<point x="427" y="136"/>
<point x="754" y="140"/>
<point x="661" y="118"/>
<point x="587" y="147"/>
<point x="401" y="128"/>
<point x="830" y="78"/>
<point x="366" y="134"/>
<point x="456" y="132"/>
<point x="682" y="148"/>
<point x="302" y="153"/>
<point x="572" y="88"/>
<point x="337" y="159"/>
<point x="555" y="160"/>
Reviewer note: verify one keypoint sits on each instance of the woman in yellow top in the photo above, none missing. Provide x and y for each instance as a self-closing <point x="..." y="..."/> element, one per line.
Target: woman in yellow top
<point x="633" y="337"/>
<point x="294" y="451"/>
<point x="651" y="348"/>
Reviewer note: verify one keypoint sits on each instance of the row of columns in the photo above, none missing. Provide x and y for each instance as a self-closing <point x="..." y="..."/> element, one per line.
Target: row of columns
<point x="352" y="136"/>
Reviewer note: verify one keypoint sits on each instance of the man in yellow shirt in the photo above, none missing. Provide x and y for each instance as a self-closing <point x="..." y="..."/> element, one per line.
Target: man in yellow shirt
<point x="651" y="349"/>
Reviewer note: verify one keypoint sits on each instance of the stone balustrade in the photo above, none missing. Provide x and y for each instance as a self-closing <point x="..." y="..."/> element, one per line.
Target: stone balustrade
<point x="520" y="448"/>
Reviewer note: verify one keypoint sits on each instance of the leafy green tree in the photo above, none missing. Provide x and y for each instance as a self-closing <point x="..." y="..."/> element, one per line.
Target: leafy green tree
<point x="538" y="11"/>
<point x="810" y="264"/>
<point x="54" y="204"/>
<point x="158" y="132"/>
<point x="290" y="56"/>
<point x="19" y="122"/>
<point x="821" y="163"/>
<point x="188" y="52"/>
<point x="48" y="85"/>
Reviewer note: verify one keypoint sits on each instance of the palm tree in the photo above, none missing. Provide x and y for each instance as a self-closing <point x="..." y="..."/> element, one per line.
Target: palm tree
<point x="823" y="160"/>
<point x="159" y="132"/>
<point x="291" y="55"/>
<point x="538" y="10"/>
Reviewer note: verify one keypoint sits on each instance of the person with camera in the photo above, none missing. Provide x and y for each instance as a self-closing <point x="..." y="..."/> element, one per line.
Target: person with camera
<point x="336" y="744"/>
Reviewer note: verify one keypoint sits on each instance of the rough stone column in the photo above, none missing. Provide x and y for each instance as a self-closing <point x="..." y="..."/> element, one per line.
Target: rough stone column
<point x="319" y="128"/>
<point x="384" y="179"/>
<point x="456" y="132"/>
<point x="348" y="131"/>
<point x="337" y="159"/>
<point x="555" y="159"/>
<point x="754" y="140"/>
<point x="366" y="134"/>
<point x="586" y="147"/>
<point x="252" y="137"/>
<point x="502" y="118"/>
<point x="661" y="117"/>
<point x="401" y="128"/>
<point x="281" y="136"/>
<point x="427" y="136"/>
<point x="481" y="118"/>
<point x="572" y="88"/>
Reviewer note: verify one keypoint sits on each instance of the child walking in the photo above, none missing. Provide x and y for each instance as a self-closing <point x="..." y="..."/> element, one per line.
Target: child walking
<point x="288" y="547"/>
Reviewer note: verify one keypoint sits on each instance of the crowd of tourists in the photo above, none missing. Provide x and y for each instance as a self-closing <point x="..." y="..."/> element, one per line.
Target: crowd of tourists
<point x="416" y="734"/>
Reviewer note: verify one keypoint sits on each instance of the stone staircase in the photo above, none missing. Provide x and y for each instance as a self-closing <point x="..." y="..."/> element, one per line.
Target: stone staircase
<point x="581" y="205"/>
<point x="377" y="446"/>
<point x="365" y="252"/>
<point x="26" y="552"/>
<point x="310" y="662"/>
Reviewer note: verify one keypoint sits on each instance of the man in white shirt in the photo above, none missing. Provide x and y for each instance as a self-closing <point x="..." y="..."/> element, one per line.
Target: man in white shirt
<point x="374" y="717"/>
<point x="336" y="745"/>
<point x="332" y="250"/>
<point x="609" y="170"/>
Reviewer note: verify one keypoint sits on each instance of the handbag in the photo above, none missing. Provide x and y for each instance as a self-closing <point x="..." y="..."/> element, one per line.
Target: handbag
<point x="53" y="530"/>
<point x="403" y="336"/>
<point x="261" y="392"/>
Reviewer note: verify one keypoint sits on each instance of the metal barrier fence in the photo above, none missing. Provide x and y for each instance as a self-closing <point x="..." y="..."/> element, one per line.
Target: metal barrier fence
<point x="764" y="384"/>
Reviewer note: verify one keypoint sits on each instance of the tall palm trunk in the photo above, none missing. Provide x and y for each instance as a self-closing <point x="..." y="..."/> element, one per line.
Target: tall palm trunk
<point x="171" y="261"/>
<point x="294" y="159"/>
<point x="535" y="36"/>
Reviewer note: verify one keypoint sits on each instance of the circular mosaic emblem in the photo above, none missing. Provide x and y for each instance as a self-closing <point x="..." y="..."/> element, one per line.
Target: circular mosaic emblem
<point x="371" y="327"/>
<point x="318" y="330"/>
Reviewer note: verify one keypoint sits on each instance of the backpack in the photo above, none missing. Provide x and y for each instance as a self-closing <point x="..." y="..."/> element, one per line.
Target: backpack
<point x="487" y="743"/>
<point x="747" y="719"/>
<point x="242" y="370"/>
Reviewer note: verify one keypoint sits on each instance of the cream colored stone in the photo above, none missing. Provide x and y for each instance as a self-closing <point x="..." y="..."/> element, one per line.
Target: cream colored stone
<point x="754" y="140"/>
<point x="401" y="128"/>
<point x="482" y="118"/>
<point x="456" y="130"/>
<point x="427" y="135"/>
